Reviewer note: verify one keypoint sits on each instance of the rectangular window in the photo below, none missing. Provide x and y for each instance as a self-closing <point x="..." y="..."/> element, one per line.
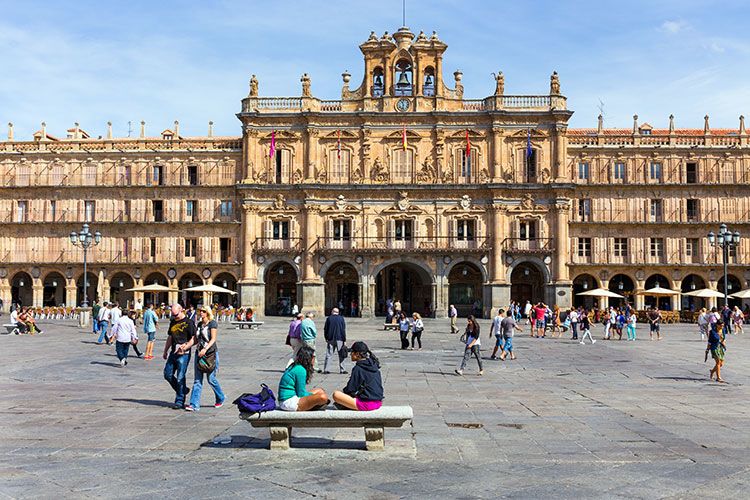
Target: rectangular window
<point x="281" y="230"/>
<point x="584" y="210"/>
<point x="657" y="247"/>
<point x="127" y="175"/>
<point x="692" y="210"/>
<point x="691" y="173"/>
<point x="338" y="165"/>
<point x="619" y="173"/>
<point x="89" y="209"/>
<point x="191" y="245"/>
<point x="465" y="229"/>
<point x="126" y="214"/>
<point x="53" y="211"/>
<point x="655" y="171"/>
<point x="527" y="230"/>
<point x="468" y="164"/>
<point x="402" y="162"/>
<point x="158" y="177"/>
<point x="225" y="249"/>
<point x="282" y="166"/>
<point x="583" y="170"/>
<point x="403" y="230"/>
<point x="193" y="175"/>
<point x="157" y="206"/>
<point x="621" y="247"/>
<point x="191" y="214"/>
<point x="23" y="211"/>
<point x="530" y="165"/>
<point x="584" y="247"/>
<point x="125" y="249"/>
<point x="656" y="214"/>
<point x="225" y="209"/>
<point x="692" y="248"/>
<point x="152" y="250"/>
<point x="341" y="230"/>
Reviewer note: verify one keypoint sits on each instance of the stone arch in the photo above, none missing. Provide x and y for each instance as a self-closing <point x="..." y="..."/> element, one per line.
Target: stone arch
<point x="281" y="279"/>
<point x="54" y="289"/>
<point x="225" y="280"/>
<point x="160" y="297"/>
<point x="527" y="280"/>
<point x="332" y="262"/>
<point x="530" y="260"/>
<point x="623" y="284"/>
<point x="662" y="281"/>
<point x="465" y="287"/>
<point x="21" y="291"/>
<point x="342" y="287"/>
<point x="734" y="286"/>
<point x="581" y="283"/>
<point x="270" y="262"/>
<point x="92" y="282"/>
<point x="406" y="260"/>
<point x="119" y="284"/>
<point x="690" y="283"/>
<point x="468" y="260"/>
<point x="190" y="279"/>
<point x="407" y="281"/>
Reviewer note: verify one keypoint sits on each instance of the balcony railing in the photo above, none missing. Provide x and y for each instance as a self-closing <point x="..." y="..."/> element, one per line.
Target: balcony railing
<point x="277" y="245"/>
<point x="103" y="256"/>
<point x="128" y="144"/>
<point x="106" y="216"/>
<point x="528" y="245"/>
<point x="418" y="244"/>
<point x="100" y="179"/>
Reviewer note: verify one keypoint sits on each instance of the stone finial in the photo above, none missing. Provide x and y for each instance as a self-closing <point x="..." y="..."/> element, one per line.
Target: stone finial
<point x="554" y="84"/>
<point x="706" y="127"/>
<point x="671" y="124"/>
<point x="742" y="125"/>
<point x="211" y="129"/>
<point x="600" y="124"/>
<point x="635" y="124"/>
<point x="499" y="83"/>
<point x="10" y="131"/>
<point x="346" y="76"/>
<point x="373" y="37"/>
<point x="253" y="87"/>
<point x="143" y="129"/>
<point x="458" y="76"/>
<point x="176" y="129"/>
<point x="109" y="130"/>
<point x="305" y="79"/>
<point x="434" y="36"/>
<point x="76" y="131"/>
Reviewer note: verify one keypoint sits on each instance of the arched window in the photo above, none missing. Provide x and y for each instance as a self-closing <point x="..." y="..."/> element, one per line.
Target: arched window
<point x="428" y="87"/>
<point x="378" y="84"/>
<point x="402" y="162"/>
<point x="338" y="165"/>
<point x="402" y="78"/>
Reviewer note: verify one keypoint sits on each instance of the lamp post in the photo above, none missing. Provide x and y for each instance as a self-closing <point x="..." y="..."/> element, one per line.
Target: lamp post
<point x="725" y="239"/>
<point x="85" y="239"/>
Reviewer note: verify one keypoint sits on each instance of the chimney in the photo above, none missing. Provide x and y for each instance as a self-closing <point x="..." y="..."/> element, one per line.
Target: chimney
<point x="210" y="129"/>
<point x="10" y="131"/>
<point x="176" y="129"/>
<point x="109" y="130"/>
<point x="143" y="129"/>
<point x="635" y="124"/>
<point x="671" y="124"/>
<point x="600" y="126"/>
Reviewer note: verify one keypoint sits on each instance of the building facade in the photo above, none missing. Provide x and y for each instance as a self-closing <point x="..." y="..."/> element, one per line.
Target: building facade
<point x="402" y="189"/>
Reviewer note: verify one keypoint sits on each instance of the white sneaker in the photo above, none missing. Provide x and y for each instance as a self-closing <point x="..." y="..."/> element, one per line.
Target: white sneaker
<point x="123" y="362"/>
<point x="581" y="342"/>
<point x="593" y="341"/>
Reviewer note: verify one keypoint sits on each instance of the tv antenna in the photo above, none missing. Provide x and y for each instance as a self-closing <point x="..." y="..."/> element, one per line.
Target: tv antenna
<point x="403" y="12"/>
<point x="601" y="107"/>
<point x="130" y="128"/>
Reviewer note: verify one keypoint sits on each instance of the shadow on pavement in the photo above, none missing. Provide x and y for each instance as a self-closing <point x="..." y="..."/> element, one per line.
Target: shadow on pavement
<point x="146" y="402"/>
<point x="296" y="442"/>
<point x="116" y="365"/>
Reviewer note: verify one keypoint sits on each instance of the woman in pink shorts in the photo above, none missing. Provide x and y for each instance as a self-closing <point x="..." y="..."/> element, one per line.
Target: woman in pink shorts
<point x="364" y="391"/>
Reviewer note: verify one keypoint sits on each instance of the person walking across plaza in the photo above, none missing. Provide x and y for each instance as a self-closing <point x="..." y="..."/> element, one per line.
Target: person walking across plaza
<point x="295" y="336"/>
<point x="573" y="317"/>
<point x="364" y="391"/>
<point x="125" y="335"/>
<point x="149" y="328"/>
<point x="507" y="327"/>
<point x="95" y="317"/>
<point x="473" y="345"/>
<point x="527" y="312"/>
<point x="540" y="319"/>
<point x="103" y="320"/>
<point x="334" y="332"/>
<point x="495" y="330"/>
<point x="403" y="330"/>
<point x="654" y="321"/>
<point x="632" y="319"/>
<point x="585" y="324"/>
<point x="308" y="333"/>
<point x="737" y="319"/>
<point x="453" y="315"/>
<point x="208" y="331"/>
<point x="177" y="353"/>
<point x="703" y="323"/>
<point x="417" y="328"/>
<point x="717" y="348"/>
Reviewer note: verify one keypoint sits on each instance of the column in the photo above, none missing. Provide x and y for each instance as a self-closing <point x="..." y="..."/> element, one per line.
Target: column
<point x="712" y="301"/>
<point x="311" y="286"/>
<point x="558" y="167"/>
<point x="676" y="300"/>
<point x="640" y="300"/>
<point x="561" y="241"/>
<point x="604" y="301"/>
<point x="172" y="297"/>
<point x="495" y="160"/>
<point x="70" y="294"/>
<point x="37" y="293"/>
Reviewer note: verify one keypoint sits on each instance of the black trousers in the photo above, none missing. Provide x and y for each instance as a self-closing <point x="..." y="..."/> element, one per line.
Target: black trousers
<point x="404" y="339"/>
<point x="416" y="336"/>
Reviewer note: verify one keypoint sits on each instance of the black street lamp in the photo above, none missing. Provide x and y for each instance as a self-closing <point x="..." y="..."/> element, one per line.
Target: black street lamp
<point x="725" y="239"/>
<point x="85" y="239"/>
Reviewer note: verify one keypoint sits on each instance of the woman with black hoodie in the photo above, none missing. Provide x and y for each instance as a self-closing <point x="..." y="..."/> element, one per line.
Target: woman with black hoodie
<point x="364" y="391"/>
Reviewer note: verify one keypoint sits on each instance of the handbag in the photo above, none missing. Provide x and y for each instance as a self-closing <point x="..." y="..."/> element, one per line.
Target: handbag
<point x="207" y="363"/>
<point x="288" y="340"/>
<point x="134" y="341"/>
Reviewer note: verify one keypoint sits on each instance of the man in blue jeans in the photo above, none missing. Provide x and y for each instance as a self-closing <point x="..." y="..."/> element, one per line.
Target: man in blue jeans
<point x="177" y="353"/>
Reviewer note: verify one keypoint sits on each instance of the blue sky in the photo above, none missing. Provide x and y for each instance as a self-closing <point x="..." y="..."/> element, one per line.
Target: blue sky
<point x="94" y="61"/>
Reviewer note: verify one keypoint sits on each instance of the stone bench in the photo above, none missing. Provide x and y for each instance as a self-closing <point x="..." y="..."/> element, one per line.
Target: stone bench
<point x="390" y="326"/>
<point x="280" y="423"/>
<point x="10" y="328"/>
<point x="253" y="325"/>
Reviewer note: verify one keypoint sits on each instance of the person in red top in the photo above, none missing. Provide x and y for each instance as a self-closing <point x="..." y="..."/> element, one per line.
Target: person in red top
<point x="539" y="311"/>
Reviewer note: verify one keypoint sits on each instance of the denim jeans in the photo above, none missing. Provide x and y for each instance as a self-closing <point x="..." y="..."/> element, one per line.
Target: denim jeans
<point x="102" y="331"/>
<point x="468" y="352"/>
<point x="574" y="327"/>
<point x="631" y="332"/>
<point x="122" y="349"/>
<point x="195" y="397"/>
<point x="508" y="347"/>
<point x="174" y="373"/>
<point x="95" y="325"/>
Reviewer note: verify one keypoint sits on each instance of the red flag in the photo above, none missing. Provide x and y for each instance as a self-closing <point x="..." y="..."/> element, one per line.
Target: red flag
<point x="468" y="144"/>
<point x="272" y="149"/>
<point x="338" y="144"/>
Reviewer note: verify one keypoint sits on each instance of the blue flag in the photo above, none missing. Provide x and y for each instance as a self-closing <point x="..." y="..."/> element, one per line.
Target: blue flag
<point x="528" y="143"/>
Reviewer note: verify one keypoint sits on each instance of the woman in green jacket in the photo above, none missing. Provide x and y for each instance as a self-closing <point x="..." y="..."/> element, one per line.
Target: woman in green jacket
<point x="292" y="393"/>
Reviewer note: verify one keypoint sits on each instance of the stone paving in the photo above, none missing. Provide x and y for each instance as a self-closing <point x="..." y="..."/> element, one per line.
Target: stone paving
<point x="614" y="419"/>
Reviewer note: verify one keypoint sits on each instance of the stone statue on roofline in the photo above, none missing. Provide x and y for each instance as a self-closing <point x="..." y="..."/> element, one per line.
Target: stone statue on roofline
<point x="554" y="84"/>
<point x="253" y="87"/>
<point x="306" y="85"/>
<point x="500" y="83"/>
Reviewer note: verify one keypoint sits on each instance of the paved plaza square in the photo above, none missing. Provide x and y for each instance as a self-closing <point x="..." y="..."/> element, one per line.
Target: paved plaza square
<point x="614" y="419"/>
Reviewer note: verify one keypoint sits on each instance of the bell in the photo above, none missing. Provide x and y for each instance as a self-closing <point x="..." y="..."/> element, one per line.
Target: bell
<point x="378" y="80"/>
<point x="428" y="80"/>
<point x="403" y="80"/>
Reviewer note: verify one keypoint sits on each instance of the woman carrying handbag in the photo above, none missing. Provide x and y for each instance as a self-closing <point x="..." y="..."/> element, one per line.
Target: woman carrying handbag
<point x="206" y="360"/>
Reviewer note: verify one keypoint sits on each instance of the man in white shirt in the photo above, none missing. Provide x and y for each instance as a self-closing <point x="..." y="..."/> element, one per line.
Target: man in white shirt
<point x="125" y="335"/>
<point x="527" y="311"/>
<point x="573" y="316"/>
<point x="103" y="322"/>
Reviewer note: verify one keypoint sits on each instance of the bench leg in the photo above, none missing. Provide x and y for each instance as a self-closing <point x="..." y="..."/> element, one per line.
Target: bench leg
<point x="374" y="438"/>
<point x="280" y="437"/>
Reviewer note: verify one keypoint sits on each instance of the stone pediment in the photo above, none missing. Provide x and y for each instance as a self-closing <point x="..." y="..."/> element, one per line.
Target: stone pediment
<point x="399" y="135"/>
<point x="535" y="133"/>
<point x="527" y="206"/>
<point x="280" y="134"/>
<point x="403" y="206"/>
<point x="279" y="205"/>
<point x="465" y="206"/>
<point x="340" y="206"/>
<point x="344" y="134"/>
<point x="461" y="134"/>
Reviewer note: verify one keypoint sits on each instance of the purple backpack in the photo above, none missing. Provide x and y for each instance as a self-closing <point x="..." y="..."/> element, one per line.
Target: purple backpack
<point x="256" y="403"/>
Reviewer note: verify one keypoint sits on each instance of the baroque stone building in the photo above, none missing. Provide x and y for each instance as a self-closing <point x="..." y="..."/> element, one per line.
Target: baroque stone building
<point x="401" y="189"/>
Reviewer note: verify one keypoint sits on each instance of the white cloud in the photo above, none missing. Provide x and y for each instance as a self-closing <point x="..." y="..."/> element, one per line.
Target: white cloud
<point x="675" y="26"/>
